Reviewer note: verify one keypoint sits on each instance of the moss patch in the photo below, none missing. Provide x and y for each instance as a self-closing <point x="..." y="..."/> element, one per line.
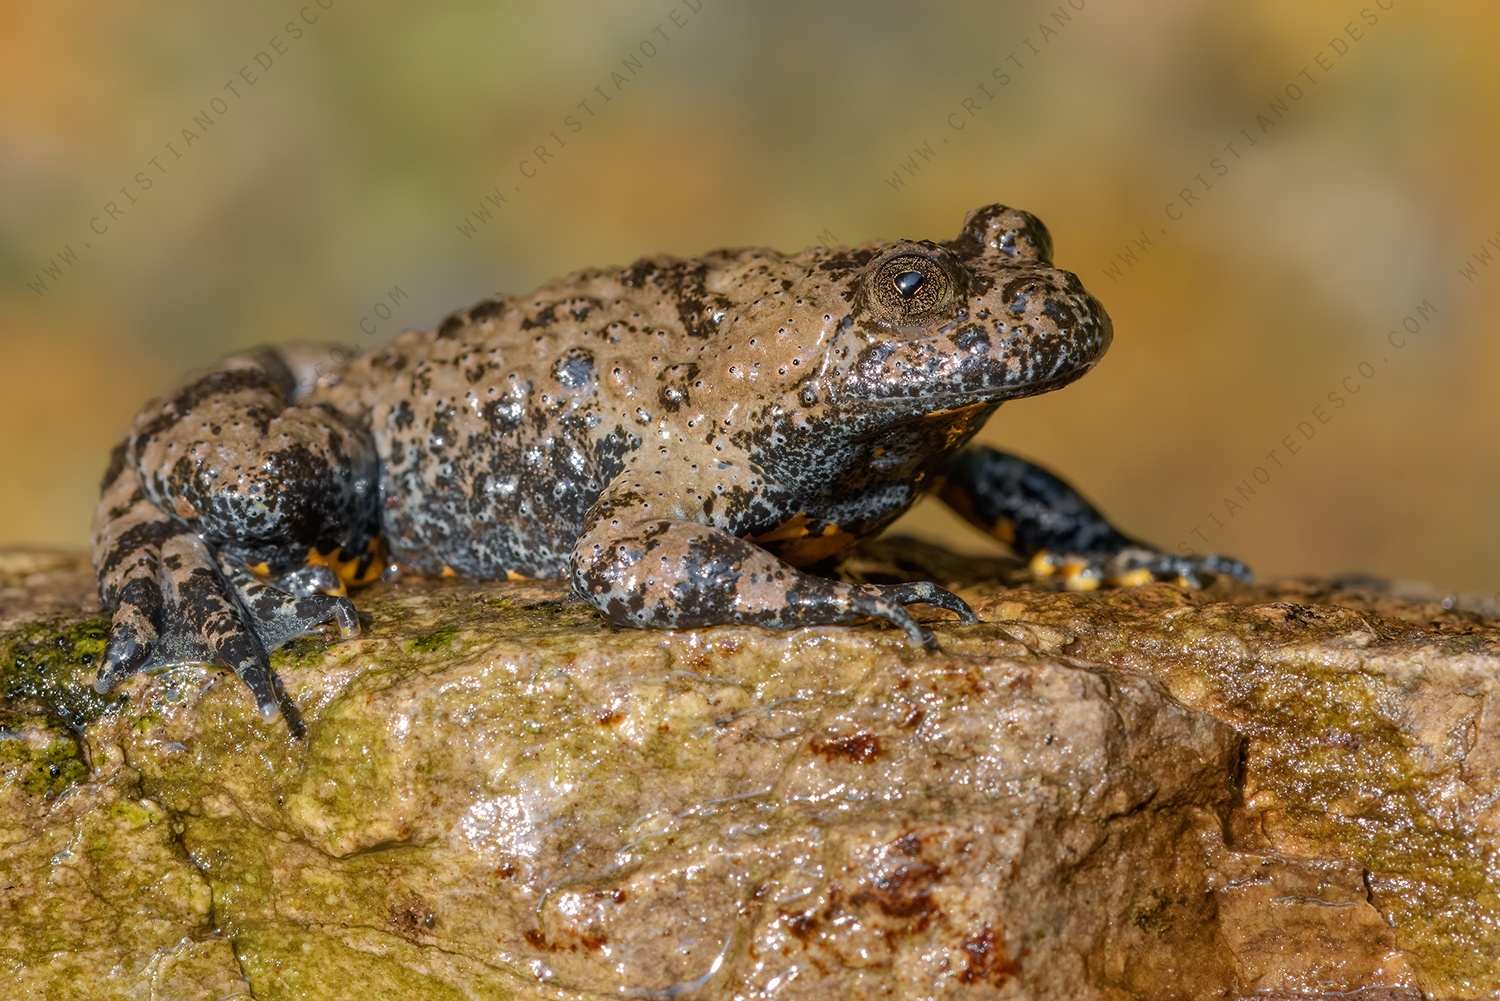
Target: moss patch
<point x="38" y="759"/>
<point x="438" y="639"/>
<point x="49" y="668"/>
<point x="304" y="652"/>
<point x="287" y="963"/>
<point x="1344" y="772"/>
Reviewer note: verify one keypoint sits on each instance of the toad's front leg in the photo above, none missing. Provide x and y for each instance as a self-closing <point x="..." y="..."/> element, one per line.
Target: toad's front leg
<point x="1049" y="523"/>
<point x="223" y="520"/>
<point x="672" y="573"/>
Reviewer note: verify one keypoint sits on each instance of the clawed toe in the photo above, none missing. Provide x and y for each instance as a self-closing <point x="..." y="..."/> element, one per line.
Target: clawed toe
<point x="888" y="601"/>
<point x="278" y="615"/>
<point x="270" y="699"/>
<point x="929" y="593"/>
<point x="1188" y="570"/>
<point x="124" y="655"/>
<point x="871" y="601"/>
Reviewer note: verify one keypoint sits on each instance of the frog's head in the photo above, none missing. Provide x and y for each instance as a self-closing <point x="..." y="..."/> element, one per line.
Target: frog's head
<point x="975" y="320"/>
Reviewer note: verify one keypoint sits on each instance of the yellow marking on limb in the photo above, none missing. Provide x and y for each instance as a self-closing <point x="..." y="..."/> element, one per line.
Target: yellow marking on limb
<point x="794" y="541"/>
<point x="1046" y="563"/>
<point x="512" y="575"/>
<point x="1081" y="582"/>
<point x="962" y="422"/>
<point x="261" y="570"/>
<point x="793" y="528"/>
<point x="963" y="505"/>
<point x="958" y="423"/>
<point x="811" y="549"/>
<point x="373" y="565"/>
<point x="449" y="571"/>
<point x="356" y="570"/>
<point x="1133" y="578"/>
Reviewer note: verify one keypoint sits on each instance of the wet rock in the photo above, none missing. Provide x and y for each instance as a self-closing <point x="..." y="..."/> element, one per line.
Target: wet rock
<point x="1288" y="790"/>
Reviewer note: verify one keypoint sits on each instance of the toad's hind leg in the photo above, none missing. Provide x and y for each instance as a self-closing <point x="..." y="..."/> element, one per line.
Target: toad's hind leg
<point x="228" y="476"/>
<point x="1051" y="524"/>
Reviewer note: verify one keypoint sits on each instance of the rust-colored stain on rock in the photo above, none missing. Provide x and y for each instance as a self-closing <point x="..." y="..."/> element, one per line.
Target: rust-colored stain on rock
<point x="987" y="960"/>
<point x="857" y="747"/>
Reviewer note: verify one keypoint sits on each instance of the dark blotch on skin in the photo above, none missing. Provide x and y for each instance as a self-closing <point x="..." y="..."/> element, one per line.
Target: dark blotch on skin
<point x="403" y="416"/>
<point x="575" y="369"/>
<point x="544" y="317"/>
<point x="487" y="309"/>
<point x="638" y="273"/>
<point x="147" y="536"/>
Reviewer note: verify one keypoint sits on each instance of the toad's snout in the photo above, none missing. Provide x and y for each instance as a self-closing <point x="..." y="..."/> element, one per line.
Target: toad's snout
<point x="1035" y="329"/>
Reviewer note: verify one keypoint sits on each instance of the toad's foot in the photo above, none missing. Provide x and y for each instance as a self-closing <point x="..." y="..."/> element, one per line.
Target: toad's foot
<point x="888" y="601"/>
<point x="175" y="603"/>
<point x="1133" y="566"/>
<point x="235" y="471"/>
<point x="1049" y="523"/>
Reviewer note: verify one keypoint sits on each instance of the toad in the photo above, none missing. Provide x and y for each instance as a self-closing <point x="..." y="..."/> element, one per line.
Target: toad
<point x="681" y="440"/>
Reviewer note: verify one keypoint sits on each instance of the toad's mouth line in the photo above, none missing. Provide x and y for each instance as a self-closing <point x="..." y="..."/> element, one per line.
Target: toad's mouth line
<point x="958" y="411"/>
<point x="949" y="402"/>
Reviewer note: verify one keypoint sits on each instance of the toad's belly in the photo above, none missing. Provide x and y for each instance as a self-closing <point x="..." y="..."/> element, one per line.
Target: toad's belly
<point x="487" y="509"/>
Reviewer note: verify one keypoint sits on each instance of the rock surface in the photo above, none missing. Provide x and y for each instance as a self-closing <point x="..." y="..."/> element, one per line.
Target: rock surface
<point x="1286" y="791"/>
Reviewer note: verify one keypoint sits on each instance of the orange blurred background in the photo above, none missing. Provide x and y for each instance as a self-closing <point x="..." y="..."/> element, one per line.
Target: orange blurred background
<point x="1265" y="196"/>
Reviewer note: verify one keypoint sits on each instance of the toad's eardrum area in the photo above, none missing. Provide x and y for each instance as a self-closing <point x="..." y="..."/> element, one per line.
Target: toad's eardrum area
<point x="679" y="439"/>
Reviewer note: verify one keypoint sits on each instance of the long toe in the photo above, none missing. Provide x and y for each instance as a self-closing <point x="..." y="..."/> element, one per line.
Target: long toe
<point x="270" y="698"/>
<point x="123" y="656"/>
<point x="931" y="594"/>
<point x="872" y="600"/>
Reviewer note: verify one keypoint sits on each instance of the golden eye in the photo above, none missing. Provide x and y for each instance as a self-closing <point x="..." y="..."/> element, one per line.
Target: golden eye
<point x="911" y="288"/>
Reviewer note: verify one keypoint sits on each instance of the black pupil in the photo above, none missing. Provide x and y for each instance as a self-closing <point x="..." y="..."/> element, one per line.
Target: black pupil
<point x="907" y="283"/>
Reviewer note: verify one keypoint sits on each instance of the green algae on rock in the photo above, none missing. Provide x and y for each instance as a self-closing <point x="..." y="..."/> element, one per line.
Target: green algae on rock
<point x="46" y="668"/>
<point x="39" y="757"/>
<point x="1284" y="790"/>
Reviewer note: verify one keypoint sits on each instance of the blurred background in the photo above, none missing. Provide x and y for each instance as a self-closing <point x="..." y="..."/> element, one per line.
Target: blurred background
<point x="1289" y="209"/>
